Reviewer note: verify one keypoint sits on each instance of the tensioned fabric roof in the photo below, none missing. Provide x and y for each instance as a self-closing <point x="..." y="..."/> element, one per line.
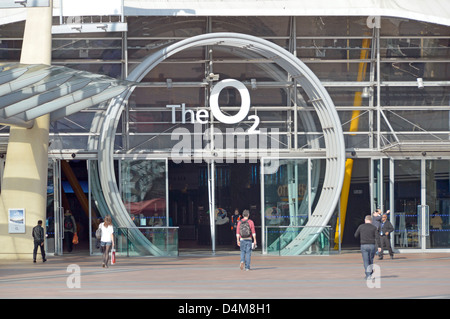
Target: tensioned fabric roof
<point x="30" y="91"/>
<point x="433" y="11"/>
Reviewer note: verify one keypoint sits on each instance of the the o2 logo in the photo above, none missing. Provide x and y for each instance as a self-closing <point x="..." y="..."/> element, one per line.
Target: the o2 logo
<point x="202" y="115"/>
<point x="245" y="104"/>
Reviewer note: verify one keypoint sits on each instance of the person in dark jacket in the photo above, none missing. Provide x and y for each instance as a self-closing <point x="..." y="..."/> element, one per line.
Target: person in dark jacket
<point x="376" y="221"/>
<point x="38" y="236"/>
<point x="368" y="237"/>
<point x="385" y="229"/>
<point x="70" y="228"/>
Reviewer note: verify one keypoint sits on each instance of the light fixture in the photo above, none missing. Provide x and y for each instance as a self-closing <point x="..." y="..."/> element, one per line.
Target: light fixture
<point x="253" y="82"/>
<point x="420" y="83"/>
<point x="365" y="92"/>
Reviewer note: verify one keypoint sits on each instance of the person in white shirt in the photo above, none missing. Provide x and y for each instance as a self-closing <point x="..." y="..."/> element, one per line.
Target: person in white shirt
<point x="107" y="239"/>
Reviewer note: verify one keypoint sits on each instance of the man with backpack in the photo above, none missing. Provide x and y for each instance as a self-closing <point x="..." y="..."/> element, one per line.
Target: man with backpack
<point x="245" y="231"/>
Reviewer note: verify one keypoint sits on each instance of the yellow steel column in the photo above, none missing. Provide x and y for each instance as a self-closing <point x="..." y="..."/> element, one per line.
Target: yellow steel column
<point x="26" y="167"/>
<point x="357" y="101"/>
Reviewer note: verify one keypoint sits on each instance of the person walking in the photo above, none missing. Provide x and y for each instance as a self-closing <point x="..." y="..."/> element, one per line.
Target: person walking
<point x="70" y="228"/>
<point x="107" y="239"/>
<point x="233" y="222"/>
<point x="385" y="229"/>
<point x="38" y="238"/>
<point x="245" y="231"/>
<point x="368" y="235"/>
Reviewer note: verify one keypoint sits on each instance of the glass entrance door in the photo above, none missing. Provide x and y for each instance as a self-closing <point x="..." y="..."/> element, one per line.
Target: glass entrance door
<point x="438" y="203"/>
<point x="58" y="211"/>
<point x="407" y="188"/>
<point x="236" y="187"/>
<point x="422" y="206"/>
<point x="70" y="211"/>
<point x="203" y="197"/>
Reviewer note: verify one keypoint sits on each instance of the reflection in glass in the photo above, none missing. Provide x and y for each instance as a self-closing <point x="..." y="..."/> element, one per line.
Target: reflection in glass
<point x="144" y="191"/>
<point x="286" y="201"/>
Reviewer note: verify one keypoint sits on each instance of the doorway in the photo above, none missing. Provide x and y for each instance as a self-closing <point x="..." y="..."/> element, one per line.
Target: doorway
<point x="68" y="193"/>
<point x="235" y="186"/>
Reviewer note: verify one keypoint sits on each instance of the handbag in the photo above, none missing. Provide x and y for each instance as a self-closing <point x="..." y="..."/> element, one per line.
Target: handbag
<point x="113" y="256"/>
<point x="75" y="239"/>
<point x="98" y="233"/>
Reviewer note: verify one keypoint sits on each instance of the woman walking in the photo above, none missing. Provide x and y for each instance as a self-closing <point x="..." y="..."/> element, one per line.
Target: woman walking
<point x="107" y="239"/>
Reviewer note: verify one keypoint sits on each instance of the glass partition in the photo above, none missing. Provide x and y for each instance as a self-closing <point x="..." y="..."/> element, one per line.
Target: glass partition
<point x="98" y="207"/>
<point x="165" y="239"/>
<point x="289" y="192"/>
<point x="321" y="246"/>
<point x="285" y="194"/>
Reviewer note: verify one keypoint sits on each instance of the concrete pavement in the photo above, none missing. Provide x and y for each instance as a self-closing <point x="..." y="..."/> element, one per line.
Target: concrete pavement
<point x="206" y="276"/>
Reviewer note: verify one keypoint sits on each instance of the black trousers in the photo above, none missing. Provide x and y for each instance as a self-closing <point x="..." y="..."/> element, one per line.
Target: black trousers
<point x="385" y="243"/>
<point x="68" y="237"/>
<point x="36" y="245"/>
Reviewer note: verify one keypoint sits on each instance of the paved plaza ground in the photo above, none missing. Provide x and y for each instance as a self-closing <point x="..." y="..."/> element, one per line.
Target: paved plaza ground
<point x="206" y="276"/>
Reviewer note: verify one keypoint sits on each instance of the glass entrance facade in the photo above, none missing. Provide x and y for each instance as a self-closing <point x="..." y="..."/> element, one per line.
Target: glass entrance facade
<point x="389" y="85"/>
<point x="421" y="196"/>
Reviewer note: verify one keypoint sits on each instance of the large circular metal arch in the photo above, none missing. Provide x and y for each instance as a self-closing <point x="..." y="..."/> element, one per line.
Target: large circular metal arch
<point x="318" y="97"/>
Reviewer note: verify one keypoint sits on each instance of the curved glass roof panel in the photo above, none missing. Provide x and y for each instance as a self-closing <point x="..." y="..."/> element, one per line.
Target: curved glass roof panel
<point x="30" y="91"/>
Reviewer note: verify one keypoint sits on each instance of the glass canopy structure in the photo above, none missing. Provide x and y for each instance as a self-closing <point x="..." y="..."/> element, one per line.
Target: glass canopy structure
<point x="30" y="91"/>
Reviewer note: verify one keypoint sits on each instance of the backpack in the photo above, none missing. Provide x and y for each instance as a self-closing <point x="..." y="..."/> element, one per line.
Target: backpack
<point x="244" y="229"/>
<point x="68" y="222"/>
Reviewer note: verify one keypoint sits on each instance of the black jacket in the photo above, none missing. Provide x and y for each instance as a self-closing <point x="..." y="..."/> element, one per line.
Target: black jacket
<point x="385" y="228"/>
<point x="38" y="233"/>
<point x="367" y="233"/>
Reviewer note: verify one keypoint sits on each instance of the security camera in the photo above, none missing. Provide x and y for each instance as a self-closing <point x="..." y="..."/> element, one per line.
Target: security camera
<point x="213" y="77"/>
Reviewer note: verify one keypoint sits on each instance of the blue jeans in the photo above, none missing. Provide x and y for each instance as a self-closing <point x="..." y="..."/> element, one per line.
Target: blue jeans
<point x="246" y="252"/>
<point x="368" y="253"/>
